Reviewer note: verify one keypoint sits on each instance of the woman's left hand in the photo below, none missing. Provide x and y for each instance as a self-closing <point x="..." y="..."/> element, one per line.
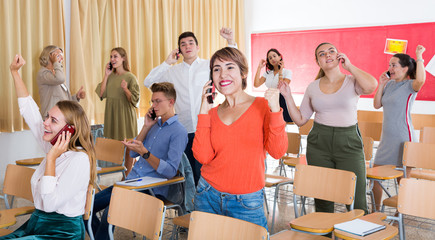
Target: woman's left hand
<point x="59" y="147"/>
<point x="272" y="97"/>
<point x="81" y="94"/>
<point x="345" y="62"/>
<point x="124" y="84"/>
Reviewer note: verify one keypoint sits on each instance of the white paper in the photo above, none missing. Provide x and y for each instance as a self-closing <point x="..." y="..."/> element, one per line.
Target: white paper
<point x="430" y="67"/>
<point x="359" y="227"/>
<point x="136" y="182"/>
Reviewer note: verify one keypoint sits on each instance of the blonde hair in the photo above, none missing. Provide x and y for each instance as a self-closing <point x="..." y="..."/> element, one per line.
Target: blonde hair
<point x="76" y="116"/>
<point x="44" y="58"/>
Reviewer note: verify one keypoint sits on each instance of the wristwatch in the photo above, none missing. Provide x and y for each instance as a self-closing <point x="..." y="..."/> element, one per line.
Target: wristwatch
<point x="146" y="155"/>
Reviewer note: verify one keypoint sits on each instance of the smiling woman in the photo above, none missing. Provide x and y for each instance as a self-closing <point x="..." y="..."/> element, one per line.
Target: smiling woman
<point x="60" y="183"/>
<point x="233" y="135"/>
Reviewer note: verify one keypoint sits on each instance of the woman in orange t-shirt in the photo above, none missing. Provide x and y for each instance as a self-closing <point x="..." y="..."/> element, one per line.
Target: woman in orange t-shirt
<point x="232" y="139"/>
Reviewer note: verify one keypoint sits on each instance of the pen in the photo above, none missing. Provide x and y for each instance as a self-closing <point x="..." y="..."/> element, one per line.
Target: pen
<point x="135" y="180"/>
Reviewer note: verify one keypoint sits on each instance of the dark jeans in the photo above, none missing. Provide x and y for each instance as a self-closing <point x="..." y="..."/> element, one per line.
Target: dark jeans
<point x="102" y="201"/>
<point x="196" y="166"/>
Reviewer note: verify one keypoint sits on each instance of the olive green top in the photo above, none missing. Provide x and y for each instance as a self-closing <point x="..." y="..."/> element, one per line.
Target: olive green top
<point x="120" y="120"/>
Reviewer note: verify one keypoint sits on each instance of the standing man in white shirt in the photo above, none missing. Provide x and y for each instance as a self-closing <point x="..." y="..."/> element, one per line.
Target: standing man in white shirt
<point x="189" y="78"/>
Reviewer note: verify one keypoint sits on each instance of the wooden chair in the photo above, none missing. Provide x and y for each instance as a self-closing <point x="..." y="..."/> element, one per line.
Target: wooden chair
<point x="377" y="217"/>
<point x="216" y="227"/>
<point x="306" y="128"/>
<point x="292" y="156"/>
<point x="427" y="135"/>
<point x="326" y="184"/>
<point x="16" y="183"/>
<point x="90" y="195"/>
<point x="109" y="150"/>
<point x="422" y="120"/>
<point x="418" y="156"/>
<point x="292" y="235"/>
<point x="276" y="182"/>
<point x="368" y="150"/>
<point x="135" y="211"/>
<point x="29" y="162"/>
<point x="371" y="129"/>
<point x="370" y="116"/>
<point x="415" y="198"/>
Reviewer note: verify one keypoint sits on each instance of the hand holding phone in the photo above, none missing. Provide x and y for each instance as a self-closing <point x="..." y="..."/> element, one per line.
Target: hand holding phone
<point x="177" y="55"/>
<point x="153" y="115"/>
<point x="388" y="74"/>
<point x="66" y="128"/>
<point x="110" y="66"/>
<point x="210" y="90"/>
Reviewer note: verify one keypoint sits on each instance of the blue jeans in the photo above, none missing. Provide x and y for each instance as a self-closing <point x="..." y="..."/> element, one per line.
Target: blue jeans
<point x="248" y="207"/>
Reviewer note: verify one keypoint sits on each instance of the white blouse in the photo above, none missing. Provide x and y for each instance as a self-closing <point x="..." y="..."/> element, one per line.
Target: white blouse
<point x="64" y="193"/>
<point x="273" y="79"/>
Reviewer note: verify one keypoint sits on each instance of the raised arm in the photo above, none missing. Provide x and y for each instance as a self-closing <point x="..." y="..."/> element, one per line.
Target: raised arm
<point x="366" y="81"/>
<point x="258" y="78"/>
<point x="294" y="112"/>
<point x="228" y="34"/>
<point x="20" y="88"/>
<point x="420" y="74"/>
<point x="377" y="100"/>
<point x="107" y="72"/>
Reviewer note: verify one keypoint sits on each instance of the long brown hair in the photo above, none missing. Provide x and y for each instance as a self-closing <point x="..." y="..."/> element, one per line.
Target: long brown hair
<point x="76" y="116"/>
<point x="123" y="54"/>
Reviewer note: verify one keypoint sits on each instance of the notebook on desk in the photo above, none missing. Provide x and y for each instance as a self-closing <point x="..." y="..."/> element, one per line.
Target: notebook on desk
<point x="137" y="182"/>
<point x="359" y="227"/>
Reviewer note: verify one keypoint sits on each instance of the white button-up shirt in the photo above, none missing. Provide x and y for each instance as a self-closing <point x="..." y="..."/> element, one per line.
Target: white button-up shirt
<point x="64" y="193"/>
<point x="188" y="81"/>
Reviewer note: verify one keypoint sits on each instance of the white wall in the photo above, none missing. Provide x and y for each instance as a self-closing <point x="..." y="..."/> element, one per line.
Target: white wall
<point x="271" y="16"/>
<point x="288" y="15"/>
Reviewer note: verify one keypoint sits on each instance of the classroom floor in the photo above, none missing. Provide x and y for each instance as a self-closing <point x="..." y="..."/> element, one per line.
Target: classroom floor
<point x="415" y="228"/>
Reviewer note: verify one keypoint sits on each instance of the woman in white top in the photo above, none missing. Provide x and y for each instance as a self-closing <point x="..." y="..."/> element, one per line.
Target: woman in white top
<point x="60" y="182"/>
<point x="275" y="72"/>
<point x="335" y="140"/>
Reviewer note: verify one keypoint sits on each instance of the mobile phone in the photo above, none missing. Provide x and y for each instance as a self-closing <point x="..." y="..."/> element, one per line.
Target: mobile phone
<point x="110" y="66"/>
<point x="177" y="55"/>
<point x="210" y="98"/>
<point x="153" y="115"/>
<point x="388" y="74"/>
<point x="66" y="128"/>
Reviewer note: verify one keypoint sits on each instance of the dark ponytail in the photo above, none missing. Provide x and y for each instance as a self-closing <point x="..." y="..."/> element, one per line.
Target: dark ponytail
<point x="406" y="61"/>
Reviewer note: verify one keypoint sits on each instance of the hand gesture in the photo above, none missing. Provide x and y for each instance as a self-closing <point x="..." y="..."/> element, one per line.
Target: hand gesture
<point x="345" y="62"/>
<point x="272" y="97"/>
<point x="59" y="147"/>
<point x="262" y="63"/>
<point x="124" y="84"/>
<point x="135" y="146"/>
<point x="205" y="106"/>
<point x="17" y="63"/>
<point x="284" y="88"/>
<point x="281" y="66"/>
<point x="384" y="78"/>
<point x="419" y="51"/>
<point x="81" y="94"/>
<point x="172" y="57"/>
<point x="108" y="71"/>
<point x="227" y="33"/>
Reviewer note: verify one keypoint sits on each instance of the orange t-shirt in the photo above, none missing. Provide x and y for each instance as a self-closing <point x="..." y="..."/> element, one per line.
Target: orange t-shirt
<point x="233" y="156"/>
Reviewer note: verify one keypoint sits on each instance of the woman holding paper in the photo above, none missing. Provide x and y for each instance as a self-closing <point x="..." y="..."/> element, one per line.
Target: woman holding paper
<point x="398" y="88"/>
<point x="275" y="72"/>
<point x="335" y="140"/>
<point x="60" y="182"/>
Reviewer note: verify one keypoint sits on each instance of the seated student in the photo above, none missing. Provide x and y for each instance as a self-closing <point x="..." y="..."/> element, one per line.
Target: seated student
<point x="160" y="145"/>
<point x="60" y="182"/>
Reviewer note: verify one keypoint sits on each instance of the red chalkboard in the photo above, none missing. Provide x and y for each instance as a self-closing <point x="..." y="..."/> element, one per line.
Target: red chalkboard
<point x="363" y="45"/>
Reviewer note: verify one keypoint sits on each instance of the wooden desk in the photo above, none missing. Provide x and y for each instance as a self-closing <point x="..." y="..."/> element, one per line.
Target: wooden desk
<point x="387" y="233"/>
<point x="174" y="180"/>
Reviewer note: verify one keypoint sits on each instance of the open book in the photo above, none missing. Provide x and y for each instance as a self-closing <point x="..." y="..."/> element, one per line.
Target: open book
<point x="136" y="182"/>
<point x="359" y="227"/>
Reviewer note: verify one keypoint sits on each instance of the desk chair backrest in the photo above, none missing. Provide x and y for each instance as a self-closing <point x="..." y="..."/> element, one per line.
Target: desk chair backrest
<point x="368" y="148"/>
<point x="325" y="183"/>
<point x="370" y="116"/>
<point x="306" y="128"/>
<point x="216" y="227"/>
<point x="371" y="129"/>
<point x="17" y="181"/>
<point x="90" y="195"/>
<point x="136" y="211"/>
<point x="294" y="143"/>
<point x="427" y="135"/>
<point x="422" y="120"/>
<point x="416" y="197"/>
<point x="109" y="150"/>
<point x="419" y="155"/>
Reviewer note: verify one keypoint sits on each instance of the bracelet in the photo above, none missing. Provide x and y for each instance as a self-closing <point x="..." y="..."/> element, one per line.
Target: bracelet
<point x="420" y="60"/>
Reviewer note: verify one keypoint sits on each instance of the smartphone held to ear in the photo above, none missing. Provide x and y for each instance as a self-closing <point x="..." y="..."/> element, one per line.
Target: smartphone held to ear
<point x="388" y="74"/>
<point x="153" y="115"/>
<point x="177" y="55"/>
<point x="210" y="90"/>
<point x="66" y="128"/>
<point x="110" y="66"/>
